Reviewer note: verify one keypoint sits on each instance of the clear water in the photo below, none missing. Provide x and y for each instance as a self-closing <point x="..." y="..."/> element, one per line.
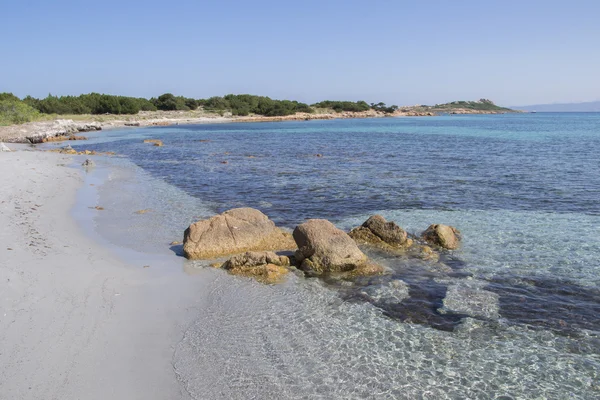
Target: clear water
<point x="523" y="189"/>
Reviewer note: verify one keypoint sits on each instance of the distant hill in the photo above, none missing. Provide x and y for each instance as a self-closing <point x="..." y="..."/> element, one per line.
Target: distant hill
<point x="591" y="106"/>
<point x="482" y="106"/>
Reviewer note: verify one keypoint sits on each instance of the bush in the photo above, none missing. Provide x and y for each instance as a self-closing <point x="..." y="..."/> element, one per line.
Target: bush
<point x="245" y="104"/>
<point x="339" y="106"/>
<point x="16" y="111"/>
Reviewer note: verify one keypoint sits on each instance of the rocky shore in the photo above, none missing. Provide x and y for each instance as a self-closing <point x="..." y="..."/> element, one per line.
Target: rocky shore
<point x="59" y="129"/>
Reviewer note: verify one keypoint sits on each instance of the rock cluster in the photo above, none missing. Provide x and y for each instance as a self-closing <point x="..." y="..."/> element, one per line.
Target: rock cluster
<point x="321" y="248"/>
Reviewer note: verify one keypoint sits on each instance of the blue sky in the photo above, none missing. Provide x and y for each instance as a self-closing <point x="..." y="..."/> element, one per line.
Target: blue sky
<point x="399" y="52"/>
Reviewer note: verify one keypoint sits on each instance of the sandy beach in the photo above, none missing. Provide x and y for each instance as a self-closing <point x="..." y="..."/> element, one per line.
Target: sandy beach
<point x="75" y="321"/>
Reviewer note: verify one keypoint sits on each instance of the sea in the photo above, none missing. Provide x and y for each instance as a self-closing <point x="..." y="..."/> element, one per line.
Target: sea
<point x="523" y="189"/>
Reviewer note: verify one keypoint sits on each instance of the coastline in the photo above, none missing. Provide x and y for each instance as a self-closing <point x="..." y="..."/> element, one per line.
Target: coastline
<point x="77" y="321"/>
<point x="64" y="127"/>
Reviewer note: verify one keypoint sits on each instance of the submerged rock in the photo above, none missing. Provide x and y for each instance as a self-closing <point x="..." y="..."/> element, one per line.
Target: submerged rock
<point x="234" y="231"/>
<point x="88" y="163"/>
<point x="155" y="142"/>
<point x="378" y="232"/>
<point x="323" y="248"/>
<point x="3" y="147"/>
<point x="392" y="292"/>
<point x="444" y="236"/>
<point x="470" y="299"/>
<point x="266" y="266"/>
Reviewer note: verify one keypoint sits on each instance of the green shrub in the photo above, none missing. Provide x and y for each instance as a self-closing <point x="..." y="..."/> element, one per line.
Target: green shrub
<point x="16" y="112"/>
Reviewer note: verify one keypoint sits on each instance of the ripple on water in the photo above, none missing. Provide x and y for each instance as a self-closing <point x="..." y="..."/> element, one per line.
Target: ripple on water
<point x="300" y="340"/>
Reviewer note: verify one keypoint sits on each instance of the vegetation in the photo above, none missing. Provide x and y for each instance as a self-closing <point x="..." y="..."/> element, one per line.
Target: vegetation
<point x="481" y="105"/>
<point x="339" y="106"/>
<point x="170" y="102"/>
<point x="245" y="104"/>
<point x="92" y="103"/>
<point x="14" y="111"/>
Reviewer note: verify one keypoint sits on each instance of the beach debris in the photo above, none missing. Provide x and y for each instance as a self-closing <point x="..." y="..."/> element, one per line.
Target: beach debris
<point x="4" y="148"/>
<point x="266" y="267"/>
<point x="146" y="266"/>
<point x="319" y="155"/>
<point x="378" y="232"/>
<point x="444" y="236"/>
<point x="470" y="299"/>
<point x="234" y="231"/>
<point x="174" y="243"/>
<point x="323" y="248"/>
<point x="224" y="162"/>
<point x="88" y="163"/>
<point x="99" y="208"/>
<point x="144" y="211"/>
<point x="204" y="140"/>
<point x="155" y="142"/>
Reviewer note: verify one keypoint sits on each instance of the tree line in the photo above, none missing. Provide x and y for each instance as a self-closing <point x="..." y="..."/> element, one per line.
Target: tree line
<point x="241" y="105"/>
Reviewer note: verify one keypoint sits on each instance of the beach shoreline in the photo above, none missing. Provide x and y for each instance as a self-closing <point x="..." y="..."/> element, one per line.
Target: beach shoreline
<point x="66" y="126"/>
<point x="77" y="321"/>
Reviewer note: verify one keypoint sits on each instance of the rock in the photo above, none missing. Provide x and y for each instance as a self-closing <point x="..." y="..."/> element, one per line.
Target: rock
<point x="155" y="142"/>
<point x="424" y="253"/>
<point x="444" y="236"/>
<point x="234" y="231"/>
<point x="323" y="248"/>
<point x="3" y="147"/>
<point x="134" y="123"/>
<point x="88" y="163"/>
<point x="392" y="292"/>
<point x="144" y="211"/>
<point x="67" y="150"/>
<point x="378" y="232"/>
<point x="60" y="127"/>
<point x="470" y="299"/>
<point x="266" y="266"/>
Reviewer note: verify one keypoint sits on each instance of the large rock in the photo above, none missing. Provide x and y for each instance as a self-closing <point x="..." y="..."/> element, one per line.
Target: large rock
<point x="266" y="266"/>
<point x="444" y="236"/>
<point x="378" y="232"/>
<point x="235" y="231"/>
<point x="323" y="248"/>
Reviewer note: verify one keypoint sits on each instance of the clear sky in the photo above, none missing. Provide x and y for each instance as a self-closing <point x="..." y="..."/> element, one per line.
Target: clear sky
<point x="399" y="52"/>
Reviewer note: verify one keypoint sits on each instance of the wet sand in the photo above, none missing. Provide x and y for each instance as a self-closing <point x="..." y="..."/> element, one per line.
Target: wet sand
<point x="76" y="322"/>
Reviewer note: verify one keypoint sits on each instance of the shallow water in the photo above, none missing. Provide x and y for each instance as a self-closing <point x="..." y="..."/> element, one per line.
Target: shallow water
<point x="523" y="189"/>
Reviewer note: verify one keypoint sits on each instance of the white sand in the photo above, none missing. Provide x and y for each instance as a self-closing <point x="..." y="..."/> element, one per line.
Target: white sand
<point x="75" y="322"/>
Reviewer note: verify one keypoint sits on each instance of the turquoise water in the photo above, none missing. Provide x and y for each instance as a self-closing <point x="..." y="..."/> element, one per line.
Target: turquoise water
<point x="523" y="189"/>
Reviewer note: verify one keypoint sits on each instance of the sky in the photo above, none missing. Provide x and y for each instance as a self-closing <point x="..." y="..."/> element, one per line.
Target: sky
<point x="399" y="52"/>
